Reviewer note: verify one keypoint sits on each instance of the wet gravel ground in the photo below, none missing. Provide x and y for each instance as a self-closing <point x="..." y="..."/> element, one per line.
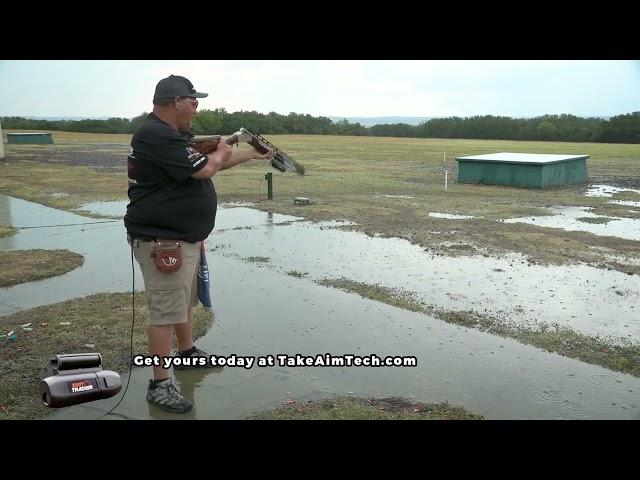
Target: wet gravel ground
<point x="104" y="157"/>
<point x="616" y="181"/>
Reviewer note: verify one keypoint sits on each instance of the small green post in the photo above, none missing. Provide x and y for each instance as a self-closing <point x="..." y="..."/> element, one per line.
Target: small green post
<point x="269" y="178"/>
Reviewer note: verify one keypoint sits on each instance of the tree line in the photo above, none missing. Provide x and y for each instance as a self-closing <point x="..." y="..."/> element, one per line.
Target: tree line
<point x="623" y="128"/>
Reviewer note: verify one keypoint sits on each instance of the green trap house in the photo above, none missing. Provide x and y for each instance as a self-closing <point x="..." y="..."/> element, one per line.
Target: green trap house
<point x="31" y="138"/>
<point x="523" y="169"/>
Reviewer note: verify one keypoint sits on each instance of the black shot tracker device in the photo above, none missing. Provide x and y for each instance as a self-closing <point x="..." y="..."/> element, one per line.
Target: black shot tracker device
<point x="78" y="378"/>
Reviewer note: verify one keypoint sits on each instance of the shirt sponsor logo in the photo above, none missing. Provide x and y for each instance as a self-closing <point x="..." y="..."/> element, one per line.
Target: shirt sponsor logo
<point x="199" y="161"/>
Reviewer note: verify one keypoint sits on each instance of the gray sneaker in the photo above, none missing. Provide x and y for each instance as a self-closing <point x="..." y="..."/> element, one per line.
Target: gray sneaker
<point x="166" y="396"/>
<point x="196" y="353"/>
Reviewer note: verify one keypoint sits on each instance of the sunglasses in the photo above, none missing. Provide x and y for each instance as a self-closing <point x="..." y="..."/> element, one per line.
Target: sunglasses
<point x="193" y="102"/>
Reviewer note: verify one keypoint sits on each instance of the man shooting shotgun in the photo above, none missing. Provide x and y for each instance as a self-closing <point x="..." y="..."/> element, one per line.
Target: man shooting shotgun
<point x="280" y="160"/>
<point x="172" y="210"/>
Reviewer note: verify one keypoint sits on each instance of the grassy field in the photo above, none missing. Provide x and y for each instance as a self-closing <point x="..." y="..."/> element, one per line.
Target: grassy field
<point x="348" y="178"/>
<point x="29" y="265"/>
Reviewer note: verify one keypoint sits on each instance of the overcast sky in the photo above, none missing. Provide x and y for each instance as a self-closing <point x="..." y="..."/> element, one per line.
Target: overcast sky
<point x="124" y="88"/>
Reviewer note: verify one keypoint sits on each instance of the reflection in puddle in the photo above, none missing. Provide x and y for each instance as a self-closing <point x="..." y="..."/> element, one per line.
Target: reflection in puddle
<point x="118" y="208"/>
<point x="237" y="204"/>
<point x="567" y="219"/>
<point x="451" y="216"/>
<point x="393" y="196"/>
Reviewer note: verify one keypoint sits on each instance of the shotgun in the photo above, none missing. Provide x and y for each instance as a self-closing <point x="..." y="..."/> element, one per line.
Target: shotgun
<point x="280" y="161"/>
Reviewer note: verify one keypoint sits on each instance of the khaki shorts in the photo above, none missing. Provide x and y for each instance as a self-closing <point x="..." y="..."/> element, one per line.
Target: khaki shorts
<point x="169" y="295"/>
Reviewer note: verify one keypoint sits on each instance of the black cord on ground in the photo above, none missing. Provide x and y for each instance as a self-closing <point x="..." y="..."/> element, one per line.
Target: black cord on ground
<point x="133" y="321"/>
<point x="67" y="224"/>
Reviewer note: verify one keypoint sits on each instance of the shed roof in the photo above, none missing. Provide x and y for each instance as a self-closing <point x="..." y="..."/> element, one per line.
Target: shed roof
<point x="526" y="158"/>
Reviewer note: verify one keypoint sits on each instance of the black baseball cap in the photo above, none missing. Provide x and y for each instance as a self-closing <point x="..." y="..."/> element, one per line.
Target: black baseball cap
<point x="176" y="86"/>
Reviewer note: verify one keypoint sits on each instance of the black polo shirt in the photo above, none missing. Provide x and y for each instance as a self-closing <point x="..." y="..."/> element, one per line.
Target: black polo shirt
<point x="165" y="202"/>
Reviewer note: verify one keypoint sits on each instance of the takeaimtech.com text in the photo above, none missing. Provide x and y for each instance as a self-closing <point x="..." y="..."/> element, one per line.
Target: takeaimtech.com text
<point x="280" y="360"/>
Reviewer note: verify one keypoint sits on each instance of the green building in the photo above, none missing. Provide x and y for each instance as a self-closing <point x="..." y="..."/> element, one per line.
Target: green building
<point x="523" y="169"/>
<point x="39" y="138"/>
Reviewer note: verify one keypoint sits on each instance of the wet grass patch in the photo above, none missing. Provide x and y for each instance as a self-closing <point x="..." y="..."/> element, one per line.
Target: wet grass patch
<point x="597" y="220"/>
<point x="620" y="267"/>
<point x="375" y="292"/>
<point x="456" y="248"/>
<point x="7" y="231"/>
<point x="256" y="259"/>
<point x="27" y="265"/>
<point x="616" y="210"/>
<point x="623" y="356"/>
<point x="297" y="274"/>
<point x="626" y="195"/>
<point x="355" y="408"/>
<point x="102" y="321"/>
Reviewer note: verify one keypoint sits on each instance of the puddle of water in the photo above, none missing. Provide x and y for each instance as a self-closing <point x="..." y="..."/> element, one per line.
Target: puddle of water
<point x="506" y="286"/>
<point x="280" y="314"/>
<point x="393" y="196"/>
<point x="242" y="218"/>
<point x="606" y="380"/>
<point x="118" y="208"/>
<point x="606" y="191"/>
<point x="283" y="315"/>
<point x="237" y="217"/>
<point x="100" y="272"/>
<point x="237" y="204"/>
<point x="450" y="216"/>
<point x="566" y="218"/>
